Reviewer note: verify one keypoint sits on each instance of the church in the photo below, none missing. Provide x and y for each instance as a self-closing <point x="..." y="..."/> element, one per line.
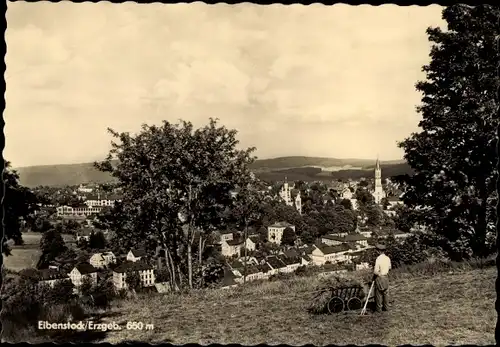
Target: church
<point x="378" y="193"/>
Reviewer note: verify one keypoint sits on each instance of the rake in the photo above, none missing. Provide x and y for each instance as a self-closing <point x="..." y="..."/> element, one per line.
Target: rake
<point x="363" y="311"/>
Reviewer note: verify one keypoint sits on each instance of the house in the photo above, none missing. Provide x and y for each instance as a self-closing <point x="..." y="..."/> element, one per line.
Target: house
<point x="83" y="270"/>
<point x="101" y="260"/>
<point x="305" y="259"/>
<point x="232" y="247"/>
<point x="400" y="235"/>
<point x="291" y="263"/>
<point x="135" y="255"/>
<point x="252" y="242"/>
<point x="45" y="277"/>
<point x="357" y="238"/>
<point x="275" y="231"/>
<point x="226" y="236"/>
<point x="145" y="271"/>
<point x="77" y="210"/>
<point x="276" y="264"/>
<point x="84" y="234"/>
<point x="394" y="201"/>
<point x="366" y="233"/>
<point x="229" y="279"/>
<point x="101" y="201"/>
<point x="347" y="193"/>
<point x="332" y="254"/>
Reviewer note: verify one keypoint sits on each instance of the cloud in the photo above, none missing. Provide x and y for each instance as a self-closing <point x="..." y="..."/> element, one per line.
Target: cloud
<point x="303" y="80"/>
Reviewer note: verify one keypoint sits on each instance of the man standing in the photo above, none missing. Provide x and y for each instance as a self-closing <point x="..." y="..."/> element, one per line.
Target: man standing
<point x="380" y="272"/>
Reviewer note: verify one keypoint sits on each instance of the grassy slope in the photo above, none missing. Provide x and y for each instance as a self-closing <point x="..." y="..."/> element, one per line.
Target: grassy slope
<point x="450" y="308"/>
<point x="27" y="255"/>
<point x="74" y="174"/>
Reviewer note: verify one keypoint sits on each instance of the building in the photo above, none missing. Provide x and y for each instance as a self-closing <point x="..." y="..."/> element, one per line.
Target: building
<point x="84" y="234"/>
<point x="226" y="236"/>
<point x="101" y="260"/>
<point x="394" y="201"/>
<point x="357" y="238"/>
<point x="232" y="247"/>
<point x="286" y="195"/>
<point x="275" y="231"/>
<point x="276" y="264"/>
<point x="378" y="193"/>
<point x="49" y="277"/>
<point x="252" y="242"/>
<point x="81" y="271"/>
<point x="145" y="272"/>
<point x="84" y="189"/>
<point x="101" y="201"/>
<point x="135" y="255"/>
<point x="333" y="254"/>
<point x="332" y="239"/>
<point x="81" y="210"/>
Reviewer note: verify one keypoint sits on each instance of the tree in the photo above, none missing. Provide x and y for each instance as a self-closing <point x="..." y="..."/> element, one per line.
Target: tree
<point x="97" y="240"/>
<point x="454" y="154"/>
<point x="246" y="209"/>
<point x="52" y="245"/>
<point x="86" y="286"/>
<point x="133" y="281"/>
<point x="175" y="181"/>
<point x="19" y="203"/>
<point x="346" y="203"/>
<point x="288" y="237"/>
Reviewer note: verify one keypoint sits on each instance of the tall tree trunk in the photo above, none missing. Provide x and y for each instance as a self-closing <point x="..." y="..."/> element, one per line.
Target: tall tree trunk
<point x="245" y="261"/>
<point x="190" y="265"/>
<point x="171" y="269"/>
<point x="200" y="250"/>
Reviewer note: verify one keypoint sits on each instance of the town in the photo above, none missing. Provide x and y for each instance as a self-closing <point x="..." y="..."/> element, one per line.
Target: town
<point x="256" y="254"/>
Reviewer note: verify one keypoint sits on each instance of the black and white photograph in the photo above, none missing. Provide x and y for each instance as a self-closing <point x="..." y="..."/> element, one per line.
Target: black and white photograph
<point x="250" y="174"/>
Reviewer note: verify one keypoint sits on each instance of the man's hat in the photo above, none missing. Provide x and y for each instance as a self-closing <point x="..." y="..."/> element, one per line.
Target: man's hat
<point x="380" y="246"/>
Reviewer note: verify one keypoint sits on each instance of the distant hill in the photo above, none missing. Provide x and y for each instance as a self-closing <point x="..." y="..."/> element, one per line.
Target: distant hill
<point x="294" y="168"/>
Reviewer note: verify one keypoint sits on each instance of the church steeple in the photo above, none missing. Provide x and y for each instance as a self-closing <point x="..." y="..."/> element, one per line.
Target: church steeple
<point x="377" y="164"/>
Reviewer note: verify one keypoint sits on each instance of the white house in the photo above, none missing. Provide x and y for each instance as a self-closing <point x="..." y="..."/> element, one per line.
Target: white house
<point x="275" y="231"/>
<point x="226" y="236"/>
<point x="101" y="260"/>
<point x="366" y="233"/>
<point x="136" y="254"/>
<point x="83" y="270"/>
<point x="252" y="242"/>
<point x="232" y="247"/>
<point x="334" y="254"/>
<point x="347" y="193"/>
<point x="357" y="238"/>
<point x="83" y="234"/>
<point x="400" y="235"/>
<point x="80" y="210"/>
<point x="145" y="271"/>
<point x="49" y="277"/>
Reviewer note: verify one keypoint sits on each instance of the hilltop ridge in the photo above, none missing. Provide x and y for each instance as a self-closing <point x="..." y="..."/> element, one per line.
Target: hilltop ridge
<point x="294" y="167"/>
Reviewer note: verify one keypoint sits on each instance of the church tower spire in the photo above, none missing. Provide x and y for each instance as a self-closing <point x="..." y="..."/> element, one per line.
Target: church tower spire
<point x="378" y="194"/>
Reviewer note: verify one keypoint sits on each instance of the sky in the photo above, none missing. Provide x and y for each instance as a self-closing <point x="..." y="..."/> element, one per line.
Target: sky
<point x="325" y="81"/>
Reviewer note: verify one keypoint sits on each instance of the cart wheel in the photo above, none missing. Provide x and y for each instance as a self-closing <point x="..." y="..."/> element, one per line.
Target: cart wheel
<point x="335" y="305"/>
<point x="354" y="304"/>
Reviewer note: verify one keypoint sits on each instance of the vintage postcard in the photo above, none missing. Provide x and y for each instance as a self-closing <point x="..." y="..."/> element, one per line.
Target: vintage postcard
<point x="193" y="173"/>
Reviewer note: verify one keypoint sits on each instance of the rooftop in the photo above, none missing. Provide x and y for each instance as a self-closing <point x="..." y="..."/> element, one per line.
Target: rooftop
<point x="281" y="225"/>
<point x="85" y="268"/>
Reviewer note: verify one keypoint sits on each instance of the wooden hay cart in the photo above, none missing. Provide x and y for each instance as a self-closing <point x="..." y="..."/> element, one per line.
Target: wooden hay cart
<point x="344" y="299"/>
